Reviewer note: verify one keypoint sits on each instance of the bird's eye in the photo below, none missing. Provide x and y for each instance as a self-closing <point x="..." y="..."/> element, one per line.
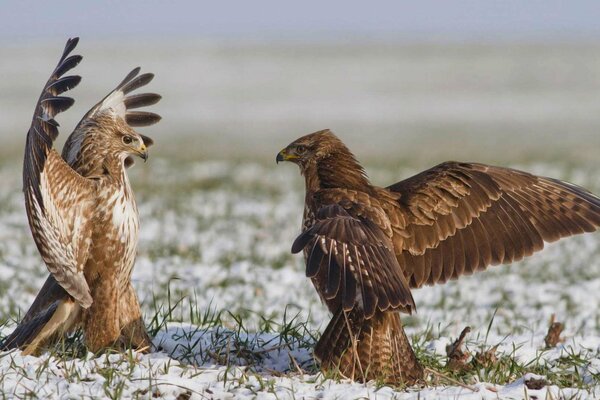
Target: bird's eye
<point x="300" y="149"/>
<point x="127" y="139"/>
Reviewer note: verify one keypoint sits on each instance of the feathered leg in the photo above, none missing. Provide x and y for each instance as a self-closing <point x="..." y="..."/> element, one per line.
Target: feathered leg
<point x="365" y="349"/>
<point x="101" y="320"/>
<point x="133" y="330"/>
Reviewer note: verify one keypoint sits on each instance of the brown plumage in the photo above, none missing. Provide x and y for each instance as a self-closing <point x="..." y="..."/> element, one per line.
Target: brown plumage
<point x="83" y="215"/>
<point x="366" y="246"/>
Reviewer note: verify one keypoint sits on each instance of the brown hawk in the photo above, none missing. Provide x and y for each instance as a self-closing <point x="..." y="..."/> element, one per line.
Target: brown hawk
<point x="83" y="215"/>
<point x="366" y="247"/>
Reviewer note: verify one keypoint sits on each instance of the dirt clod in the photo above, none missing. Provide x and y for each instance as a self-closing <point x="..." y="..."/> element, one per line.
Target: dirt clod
<point x="553" y="336"/>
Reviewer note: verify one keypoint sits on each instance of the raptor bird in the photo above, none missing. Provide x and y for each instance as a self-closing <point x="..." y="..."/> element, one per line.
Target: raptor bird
<point x="83" y="215"/>
<point x="366" y="247"/>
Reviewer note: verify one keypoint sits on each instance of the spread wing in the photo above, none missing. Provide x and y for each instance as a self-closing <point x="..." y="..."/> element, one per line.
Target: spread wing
<point x="457" y="218"/>
<point x="353" y="258"/>
<point x="120" y="103"/>
<point x="57" y="199"/>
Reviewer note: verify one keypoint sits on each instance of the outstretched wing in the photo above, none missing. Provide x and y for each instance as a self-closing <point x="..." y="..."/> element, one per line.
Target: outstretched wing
<point x="351" y="258"/>
<point x="58" y="200"/>
<point x="119" y="103"/>
<point x="456" y="218"/>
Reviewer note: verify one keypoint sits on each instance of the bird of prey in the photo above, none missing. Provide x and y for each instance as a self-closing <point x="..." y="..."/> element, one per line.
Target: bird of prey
<point x="366" y="247"/>
<point x="83" y="215"/>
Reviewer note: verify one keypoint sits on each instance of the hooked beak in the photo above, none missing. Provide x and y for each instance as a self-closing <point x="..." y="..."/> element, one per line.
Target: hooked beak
<point x="280" y="157"/>
<point x="284" y="156"/>
<point x="143" y="152"/>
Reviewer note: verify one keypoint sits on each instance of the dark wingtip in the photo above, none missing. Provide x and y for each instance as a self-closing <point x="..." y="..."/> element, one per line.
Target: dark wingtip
<point x="71" y="44"/>
<point x="134" y="81"/>
<point x="135" y="71"/>
<point x="147" y="140"/>
<point x="149" y="76"/>
<point x="132" y="74"/>
<point x="141" y="118"/>
<point x="66" y="64"/>
<point x="301" y="242"/>
<point x="63" y="84"/>
<point x="141" y="100"/>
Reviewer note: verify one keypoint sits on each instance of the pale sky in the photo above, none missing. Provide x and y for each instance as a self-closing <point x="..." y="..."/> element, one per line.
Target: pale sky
<point x="305" y="20"/>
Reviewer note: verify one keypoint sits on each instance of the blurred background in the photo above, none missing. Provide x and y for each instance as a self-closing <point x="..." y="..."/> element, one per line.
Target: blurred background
<point x="405" y="84"/>
<point x="413" y="82"/>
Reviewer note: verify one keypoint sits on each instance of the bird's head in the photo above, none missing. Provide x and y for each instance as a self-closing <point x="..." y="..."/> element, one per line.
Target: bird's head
<point x="125" y="141"/>
<point x="325" y="161"/>
<point x="310" y="148"/>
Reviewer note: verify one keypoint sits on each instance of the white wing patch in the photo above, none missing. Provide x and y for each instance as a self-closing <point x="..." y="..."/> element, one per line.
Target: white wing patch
<point x="115" y="103"/>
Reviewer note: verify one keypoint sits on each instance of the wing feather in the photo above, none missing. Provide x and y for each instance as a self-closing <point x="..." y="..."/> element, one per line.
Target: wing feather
<point x="70" y="62"/>
<point x="63" y="84"/>
<point x="141" y="118"/>
<point x="457" y="218"/>
<point x="58" y="200"/>
<point x="351" y="251"/>
<point x="449" y="261"/>
<point x="58" y="104"/>
<point x="133" y="82"/>
<point x="141" y="100"/>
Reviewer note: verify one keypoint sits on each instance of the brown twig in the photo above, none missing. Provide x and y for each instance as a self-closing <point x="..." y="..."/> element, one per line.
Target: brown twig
<point x="300" y="371"/>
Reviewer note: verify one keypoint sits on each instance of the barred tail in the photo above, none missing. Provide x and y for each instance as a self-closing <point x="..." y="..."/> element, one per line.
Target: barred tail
<point x="366" y="349"/>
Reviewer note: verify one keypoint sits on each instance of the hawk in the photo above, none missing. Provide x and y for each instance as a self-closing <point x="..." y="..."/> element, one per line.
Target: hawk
<point x="83" y="215"/>
<point x="366" y="247"/>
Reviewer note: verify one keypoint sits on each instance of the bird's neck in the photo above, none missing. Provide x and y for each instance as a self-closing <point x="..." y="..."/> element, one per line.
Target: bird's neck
<point x="109" y="165"/>
<point x="338" y="171"/>
<point x="114" y="165"/>
<point x="94" y="161"/>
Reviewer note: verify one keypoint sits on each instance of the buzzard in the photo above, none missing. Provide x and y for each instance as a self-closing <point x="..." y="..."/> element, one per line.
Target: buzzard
<point x="366" y="247"/>
<point x="83" y="215"/>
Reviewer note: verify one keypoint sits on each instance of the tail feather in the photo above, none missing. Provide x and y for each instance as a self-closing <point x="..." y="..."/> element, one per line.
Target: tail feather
<point x="26" y="331"/>
<point x="40" y="312"/>
<point x="368" y="349"/>
<point x="50" y="293"/>
<point x="59" y="318"/>
<point x="62" y="320"/>
<point x="53" y="314"/>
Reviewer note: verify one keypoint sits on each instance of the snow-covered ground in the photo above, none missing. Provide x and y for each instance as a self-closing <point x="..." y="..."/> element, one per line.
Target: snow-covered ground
<point x="235" y="317"/>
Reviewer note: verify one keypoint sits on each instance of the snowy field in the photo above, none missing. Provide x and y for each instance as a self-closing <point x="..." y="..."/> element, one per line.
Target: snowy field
<point x="232" y="313"/>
